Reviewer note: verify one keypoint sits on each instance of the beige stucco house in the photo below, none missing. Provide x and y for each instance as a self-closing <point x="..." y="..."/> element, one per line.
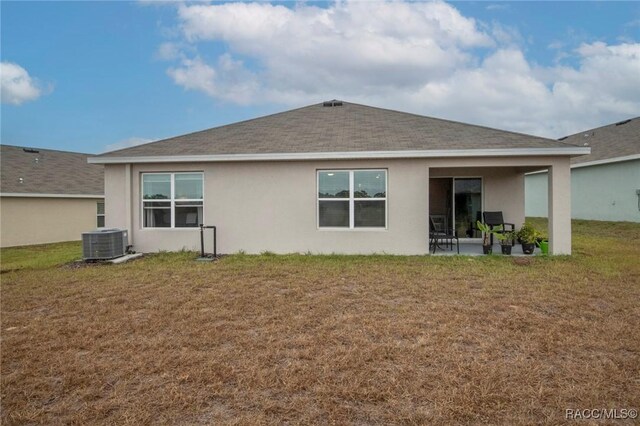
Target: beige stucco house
<point x="48" y="196"/>
<point x="334" y="177"/>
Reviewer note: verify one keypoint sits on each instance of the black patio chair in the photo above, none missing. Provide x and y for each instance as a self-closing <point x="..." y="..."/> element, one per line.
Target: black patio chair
<point x="439" y="232"/>
<point x="495" y="219"/>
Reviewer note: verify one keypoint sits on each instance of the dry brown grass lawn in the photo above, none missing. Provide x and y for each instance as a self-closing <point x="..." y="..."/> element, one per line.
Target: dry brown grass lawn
<point x="328" y="340"/>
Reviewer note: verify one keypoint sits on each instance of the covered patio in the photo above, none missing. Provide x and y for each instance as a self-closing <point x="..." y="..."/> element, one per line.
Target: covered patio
<point x="461" y="190"/>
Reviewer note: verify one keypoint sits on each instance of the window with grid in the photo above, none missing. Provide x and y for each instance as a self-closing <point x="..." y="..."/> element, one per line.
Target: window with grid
<point x="352" y="199"/>
<point x="172" y="200"/>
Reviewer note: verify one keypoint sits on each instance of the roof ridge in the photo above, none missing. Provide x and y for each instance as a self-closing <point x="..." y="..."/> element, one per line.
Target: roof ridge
<point x="593" y="129"/>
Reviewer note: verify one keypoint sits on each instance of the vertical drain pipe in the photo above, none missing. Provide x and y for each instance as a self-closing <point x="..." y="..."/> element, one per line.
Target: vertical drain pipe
<point x="201" y="240"/>
<point x="215" y="248"/>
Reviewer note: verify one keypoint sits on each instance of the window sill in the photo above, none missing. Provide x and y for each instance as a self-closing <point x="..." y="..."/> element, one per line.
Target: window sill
<point x="353" y="229"/>
<point x="195" y="228"/>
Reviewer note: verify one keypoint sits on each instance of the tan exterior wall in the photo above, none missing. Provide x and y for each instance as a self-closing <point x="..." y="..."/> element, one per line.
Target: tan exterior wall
<point x="117" y="192"/>
<point x="26" y="220"/>
<point x="272" y="206"/>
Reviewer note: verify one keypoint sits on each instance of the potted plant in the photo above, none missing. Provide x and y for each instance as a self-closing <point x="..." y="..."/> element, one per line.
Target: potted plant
<point x="506" y="241"/>
<point x="527" y="235"/>
<point x="486" y="236"/>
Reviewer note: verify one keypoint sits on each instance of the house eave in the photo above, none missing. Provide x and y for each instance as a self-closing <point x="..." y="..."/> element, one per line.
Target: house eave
<point x="595" y="163"/>
<point x="606" y="161"/>
<point x="354" y="155"/>
<point x="38" y="195"/>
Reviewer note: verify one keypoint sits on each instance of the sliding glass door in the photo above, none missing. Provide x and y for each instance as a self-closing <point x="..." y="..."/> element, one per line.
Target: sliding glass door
<point x="468" y="205"/>
<point x="457" y="201"/>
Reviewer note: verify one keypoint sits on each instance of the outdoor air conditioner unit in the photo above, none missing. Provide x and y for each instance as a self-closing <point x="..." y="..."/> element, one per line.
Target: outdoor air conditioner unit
<point x="104" y="243"/>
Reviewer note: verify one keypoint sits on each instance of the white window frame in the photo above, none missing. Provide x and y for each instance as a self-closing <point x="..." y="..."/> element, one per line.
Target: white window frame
<point x="172" y="200"/>
<point x="352" y="201"/>
<point x="100" y="215"/>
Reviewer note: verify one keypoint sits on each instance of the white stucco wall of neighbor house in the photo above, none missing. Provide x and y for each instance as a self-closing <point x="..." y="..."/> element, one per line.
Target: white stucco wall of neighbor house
<point x="272" y="206"/>
<point x="599" y="192"/>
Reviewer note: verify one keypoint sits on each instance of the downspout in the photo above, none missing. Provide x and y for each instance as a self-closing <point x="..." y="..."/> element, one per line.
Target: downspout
<point x="427" y="217"/>
<point x="128" y="200"/>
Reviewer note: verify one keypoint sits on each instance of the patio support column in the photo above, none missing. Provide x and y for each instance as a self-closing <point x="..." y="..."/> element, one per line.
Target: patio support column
<point x="560" y="207"/>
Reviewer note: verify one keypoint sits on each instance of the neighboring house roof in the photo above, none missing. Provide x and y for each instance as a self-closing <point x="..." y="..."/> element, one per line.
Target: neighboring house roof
<point x="319" y="131"/>
<point x="30" y="171"/>
<point x="615" y="142"/>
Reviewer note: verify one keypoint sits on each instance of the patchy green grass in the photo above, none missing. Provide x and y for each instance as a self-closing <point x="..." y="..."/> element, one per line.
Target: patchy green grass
<point x="609" y="247"/>
<point x="326" y="339"/>
<point x="590" y="230"/>
<point x="39" y="256"/>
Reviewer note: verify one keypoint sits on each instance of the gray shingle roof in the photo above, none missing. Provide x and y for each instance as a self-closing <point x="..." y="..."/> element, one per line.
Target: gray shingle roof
<point x="48" y="172"/>
<point x="615" y="140"/>
<point x="346" y="128"/>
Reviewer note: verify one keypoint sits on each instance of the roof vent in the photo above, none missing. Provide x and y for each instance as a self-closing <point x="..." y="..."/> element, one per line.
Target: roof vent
<point x="31" y="150"/>
<point x="623" y="122"/>
<point x="332" y="103"/>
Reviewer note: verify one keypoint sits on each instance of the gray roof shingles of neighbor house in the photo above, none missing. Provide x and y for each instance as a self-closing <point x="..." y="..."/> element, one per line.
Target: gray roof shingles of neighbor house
<point x="342" y="127"/>
<point x="616" y="140"/>
<point x="43" y="171"/>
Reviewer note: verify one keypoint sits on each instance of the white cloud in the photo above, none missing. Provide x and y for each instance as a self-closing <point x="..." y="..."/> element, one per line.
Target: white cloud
<point x="244" y="23"/>
<point x="228" y="80"/>
<point x="168" y="51"/>
<point x="16" y="85"/>
<point x="420" y="57"/>
<point x="506" y="35"/>
<point x="306" y="50"/>
<point x="127" y="143"/>
<point x="505" y="91"/>
<point x="195" y="75"/>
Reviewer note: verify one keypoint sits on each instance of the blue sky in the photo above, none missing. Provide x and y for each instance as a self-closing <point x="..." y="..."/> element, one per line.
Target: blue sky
<point x="90" y="76"/>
